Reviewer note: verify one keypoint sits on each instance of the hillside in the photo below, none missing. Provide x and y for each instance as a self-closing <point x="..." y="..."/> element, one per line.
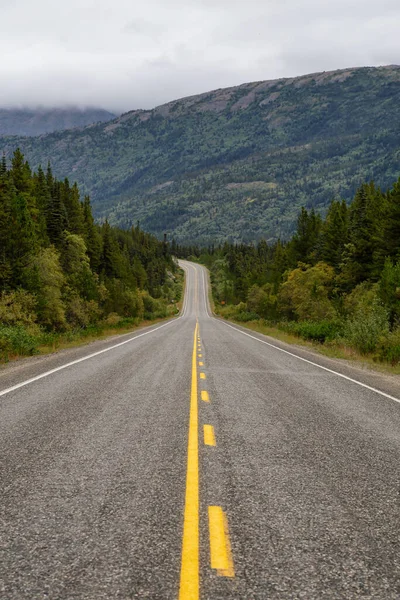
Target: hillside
<point x="235" y="163"/>
<point x="36" y="121"/>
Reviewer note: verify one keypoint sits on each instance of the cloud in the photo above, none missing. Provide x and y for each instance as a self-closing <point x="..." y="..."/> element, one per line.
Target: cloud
<point x="128" y="54"/>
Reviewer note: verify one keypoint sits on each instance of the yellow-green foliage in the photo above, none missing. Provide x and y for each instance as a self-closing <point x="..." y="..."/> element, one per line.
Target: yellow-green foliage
<point x="263" y="301"/>
<point x="306" y="292"/>
<point x="47" y="273"/>
<point x="18" y="308"/>
<point x="368" y="321"/>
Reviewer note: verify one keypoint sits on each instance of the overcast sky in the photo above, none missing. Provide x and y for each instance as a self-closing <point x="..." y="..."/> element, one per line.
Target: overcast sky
<point x="127" y="54"/>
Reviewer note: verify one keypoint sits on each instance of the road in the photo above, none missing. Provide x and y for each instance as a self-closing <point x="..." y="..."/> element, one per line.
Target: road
<point x="196" y="460"/>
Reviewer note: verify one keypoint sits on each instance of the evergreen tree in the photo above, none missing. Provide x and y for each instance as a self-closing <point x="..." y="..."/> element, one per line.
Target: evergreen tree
<point x="42" y="197"/>
<point x="56" y="219"/>
<point x="3" y="166"/>
<point x="5" y="226"/>
<point x="364" y="237"/>
<point x="20" y="173"/>
<point x="391" y="235"/>
<point x="91" y="236"/>
<point x="303" y="244"/>
<point x="110" y="262"/>
<point x="334" y="234"/>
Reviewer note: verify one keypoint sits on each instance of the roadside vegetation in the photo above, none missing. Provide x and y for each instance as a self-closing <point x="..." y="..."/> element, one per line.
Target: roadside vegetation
<point x="62" y="277"/>
<point x="335" y="283"/>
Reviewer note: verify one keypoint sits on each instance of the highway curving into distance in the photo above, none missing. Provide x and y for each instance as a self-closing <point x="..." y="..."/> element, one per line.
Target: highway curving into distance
<point x="195" y="459"/>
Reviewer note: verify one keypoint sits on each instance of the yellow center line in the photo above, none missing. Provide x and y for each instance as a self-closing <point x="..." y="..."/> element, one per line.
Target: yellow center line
<point x="202" y="376"/>
<point x="204" y="396"/>
<point x="200" y="355"/>
<point x="189" y="580"/>
<point x="201" y="364"/>
<point x="209" y="435"/>
<point x="220" y="547"/>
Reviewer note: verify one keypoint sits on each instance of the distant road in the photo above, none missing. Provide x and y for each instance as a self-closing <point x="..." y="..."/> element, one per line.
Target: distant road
<point x="194" y="460"/>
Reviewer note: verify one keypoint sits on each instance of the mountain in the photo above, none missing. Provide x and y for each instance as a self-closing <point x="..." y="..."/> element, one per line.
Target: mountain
<point x="235" y="163"/>
<point x="36" y="121"/>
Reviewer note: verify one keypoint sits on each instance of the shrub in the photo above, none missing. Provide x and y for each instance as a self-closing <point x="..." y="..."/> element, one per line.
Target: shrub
<point x="112" y="320"/>
<point x="80" y="312"/>
<point x="263" y="301"/>
<point x="305" y="293"/>
<point x="319" y="331"/>
<point x="244" y="316"/>
<point x="389" y="347"/>
<point x="17" y="341"/>
<point x="153" y="308"/>
<point x="122" y="300"/>
<point x="17" y="308"/>
<point x="366" y="327"/>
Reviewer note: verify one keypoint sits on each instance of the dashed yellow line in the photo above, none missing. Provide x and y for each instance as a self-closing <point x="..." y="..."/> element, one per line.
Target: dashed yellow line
<point x="201" y="364"/>
<point x="209" y="435"/>
<point x="220" y="547"/>
<point x="205" y="396"/>
<point x="202" y="376"/>
<point x="200" y="355"/>
<point x="189" y="579"/>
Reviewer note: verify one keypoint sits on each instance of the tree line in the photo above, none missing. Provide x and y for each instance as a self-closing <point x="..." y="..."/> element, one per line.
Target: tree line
<point x="336" y="280"/>
<point x="60" y="271"/>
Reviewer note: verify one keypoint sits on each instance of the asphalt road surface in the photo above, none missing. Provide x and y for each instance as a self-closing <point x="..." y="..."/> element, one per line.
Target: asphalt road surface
<point x="197" y="460"/>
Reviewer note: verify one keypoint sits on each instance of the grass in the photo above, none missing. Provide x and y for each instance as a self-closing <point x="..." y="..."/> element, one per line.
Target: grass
<point x="64" y="341"/>
<point x="54" y="342"/>
<point x="330" y="349"/>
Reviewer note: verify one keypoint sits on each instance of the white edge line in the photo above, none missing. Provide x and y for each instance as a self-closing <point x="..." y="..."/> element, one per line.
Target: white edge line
<point x="205" y="295"/>
<point x="79" y="360"/>
<point x="310" y="362"/>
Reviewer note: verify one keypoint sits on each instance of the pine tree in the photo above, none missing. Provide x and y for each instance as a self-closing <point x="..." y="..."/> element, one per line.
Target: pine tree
<point x="20" y="173"/>
<point x="5" y="226"/>
<point x="74" y="208"/>
<point x="56" y="219"/>
<point x="91" y="236"/>
<point x="334" y="234"/>
<point x="364" y="237"/>
<point x="391" y="233"/>
<point x="304" y="242"/>
<point x="42" y="196"/>
<point x="110" y="262"/>
<point x="3" y="166"/>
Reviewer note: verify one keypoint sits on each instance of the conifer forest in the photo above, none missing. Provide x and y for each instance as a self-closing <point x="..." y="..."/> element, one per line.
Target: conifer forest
<point x="62" y="276"/>
<point x="336" y="281"/>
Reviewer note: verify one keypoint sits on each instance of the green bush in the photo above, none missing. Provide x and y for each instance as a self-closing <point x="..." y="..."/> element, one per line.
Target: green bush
<point x="389" y="347"/>
<point x="319" y="331"/>
<point x="364" y="330"/>
<point x="17" y="308"/>
<point x="244" y="316"/>
<point x="17" y="341"/>
<point x="153" y="308"/>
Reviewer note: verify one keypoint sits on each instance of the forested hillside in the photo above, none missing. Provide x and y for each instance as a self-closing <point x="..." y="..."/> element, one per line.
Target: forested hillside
<point x="235" y="163"/>
<point x="337" y="280"/>
<point x="60" y="272"/>
<point x="36" y="121"/>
